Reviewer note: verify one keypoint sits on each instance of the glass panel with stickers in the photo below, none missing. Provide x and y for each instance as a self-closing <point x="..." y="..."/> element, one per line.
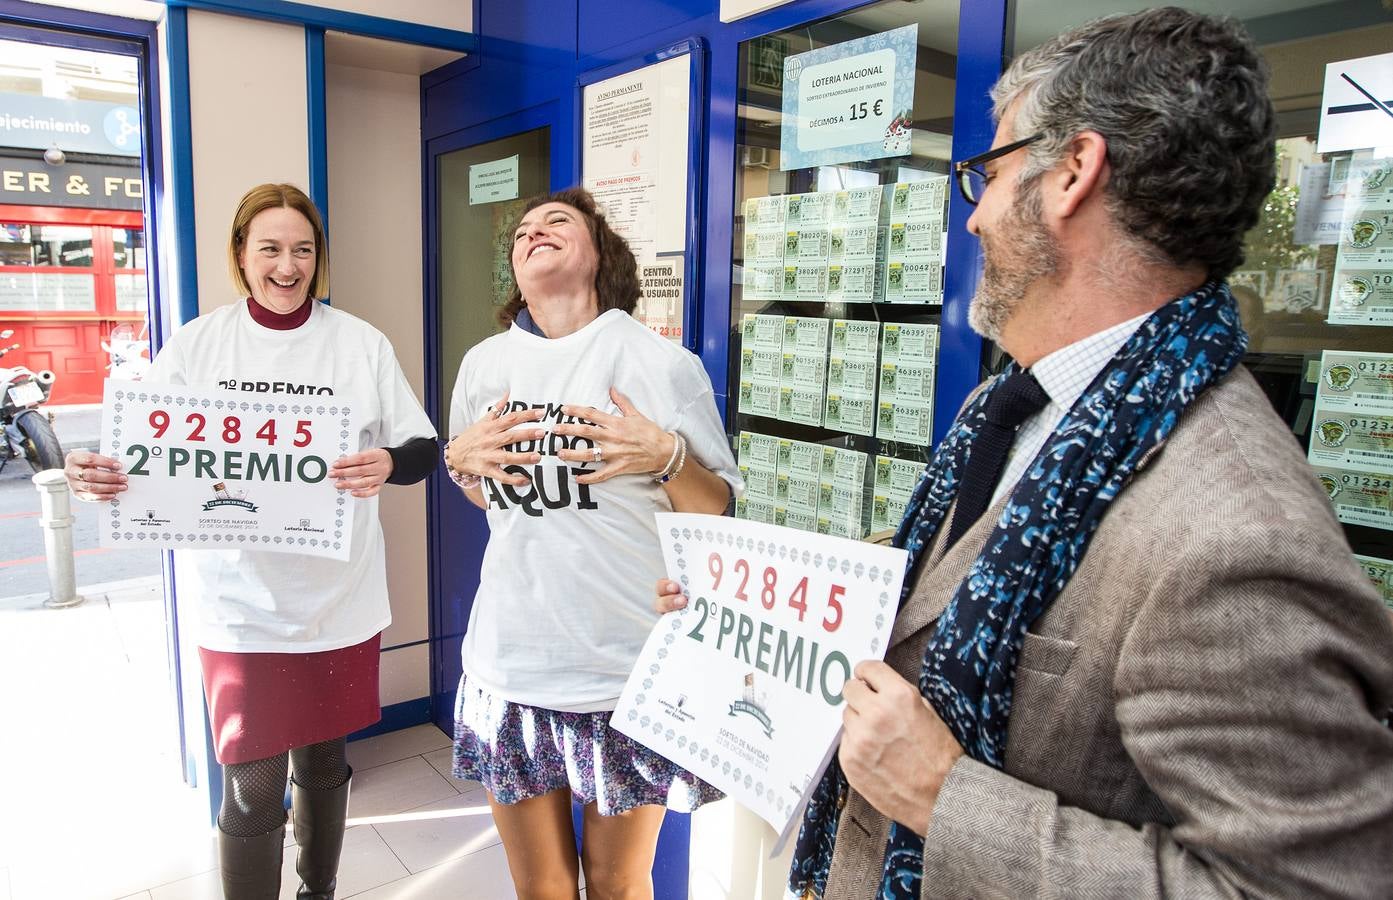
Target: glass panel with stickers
<point x="844" y="134"/>
<point x="1316" y="286"/>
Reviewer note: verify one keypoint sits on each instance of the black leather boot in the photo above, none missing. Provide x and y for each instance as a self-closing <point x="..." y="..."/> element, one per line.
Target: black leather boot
<point x="251" y="866"/>
<point x="319" y="822"/>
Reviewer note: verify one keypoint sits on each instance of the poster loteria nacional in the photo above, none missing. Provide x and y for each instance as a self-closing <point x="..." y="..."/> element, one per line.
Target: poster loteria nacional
<point x="849" y="101"/>
<point x="211" y="472"/>
<point x="744" y="686"/>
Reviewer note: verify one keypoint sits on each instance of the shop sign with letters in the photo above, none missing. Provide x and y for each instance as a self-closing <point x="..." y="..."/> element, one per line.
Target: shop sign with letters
<point x="849" y="101"/>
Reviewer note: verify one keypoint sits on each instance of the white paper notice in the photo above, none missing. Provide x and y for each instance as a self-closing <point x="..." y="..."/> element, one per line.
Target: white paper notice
<point x="744" y="687"/>
<point x="634" y="154"/>
<point x="209" y="472"/>
<point x="1355" y="105"/>
<point x="493" y="181"/>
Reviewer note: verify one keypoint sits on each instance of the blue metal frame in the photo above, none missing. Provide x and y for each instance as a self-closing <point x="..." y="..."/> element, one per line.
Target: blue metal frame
<point x="695" y="47"/>
<point x="981" y="49"/>
<point x="184" y="248"/>
<point x="338" y="20"/>
<point x="315" y="106"/>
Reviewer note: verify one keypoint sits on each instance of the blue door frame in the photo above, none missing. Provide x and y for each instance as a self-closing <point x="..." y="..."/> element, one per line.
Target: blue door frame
<point x="527" y="71"/>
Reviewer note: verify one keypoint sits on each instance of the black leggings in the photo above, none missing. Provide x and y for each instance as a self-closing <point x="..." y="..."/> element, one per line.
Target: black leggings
<point x="253" y="793"/>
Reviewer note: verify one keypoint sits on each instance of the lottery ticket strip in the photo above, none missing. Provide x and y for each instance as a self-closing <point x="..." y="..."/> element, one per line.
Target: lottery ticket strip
<point x="1351" y="446"/>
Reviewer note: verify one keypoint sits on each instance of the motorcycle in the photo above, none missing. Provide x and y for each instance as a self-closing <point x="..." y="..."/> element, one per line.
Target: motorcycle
<point x="129" y="353"/>
<point x="28" y="432"/>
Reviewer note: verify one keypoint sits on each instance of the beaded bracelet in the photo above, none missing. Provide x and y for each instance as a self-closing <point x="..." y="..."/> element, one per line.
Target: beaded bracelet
<point x="467" y="482"/>
<point x="675" y="470"/>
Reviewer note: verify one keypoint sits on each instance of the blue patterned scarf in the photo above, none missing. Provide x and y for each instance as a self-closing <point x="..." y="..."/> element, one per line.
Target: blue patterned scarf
<point x="970" y="662"/>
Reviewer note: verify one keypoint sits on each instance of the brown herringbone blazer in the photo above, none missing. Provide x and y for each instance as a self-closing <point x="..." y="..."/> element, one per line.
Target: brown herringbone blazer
<point x="1197" y="713"/>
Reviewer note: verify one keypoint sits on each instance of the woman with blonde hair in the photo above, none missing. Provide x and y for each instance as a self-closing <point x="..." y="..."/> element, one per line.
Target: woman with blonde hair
<point x="288" y="643"/>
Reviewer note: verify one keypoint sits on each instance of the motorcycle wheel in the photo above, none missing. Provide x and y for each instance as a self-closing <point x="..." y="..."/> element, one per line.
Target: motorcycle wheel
<point x="41" y="445"/>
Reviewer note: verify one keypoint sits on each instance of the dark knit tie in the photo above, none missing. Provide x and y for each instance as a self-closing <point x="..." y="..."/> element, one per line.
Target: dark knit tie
<point x="1018" y="398"/>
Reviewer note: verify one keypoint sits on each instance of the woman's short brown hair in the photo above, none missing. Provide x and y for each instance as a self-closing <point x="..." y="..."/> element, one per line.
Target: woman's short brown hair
<point x="274" y="196"/>
<point x="616" y="276"/>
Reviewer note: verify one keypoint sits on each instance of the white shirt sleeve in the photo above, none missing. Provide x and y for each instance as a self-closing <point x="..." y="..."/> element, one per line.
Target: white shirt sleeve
<point x="402" y="416"/>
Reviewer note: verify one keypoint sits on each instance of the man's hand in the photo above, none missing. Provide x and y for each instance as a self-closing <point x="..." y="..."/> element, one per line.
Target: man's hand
<point x="896" y="751"/>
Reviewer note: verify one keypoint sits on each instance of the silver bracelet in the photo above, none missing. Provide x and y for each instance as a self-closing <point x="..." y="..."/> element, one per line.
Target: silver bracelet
<point x="681" y="460"/>
<point x="676" y="445"/>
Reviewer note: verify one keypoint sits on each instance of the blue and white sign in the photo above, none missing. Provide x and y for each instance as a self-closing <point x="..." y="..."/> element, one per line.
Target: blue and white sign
<point x="74" y="126"/>
<point x="850" y="101"/>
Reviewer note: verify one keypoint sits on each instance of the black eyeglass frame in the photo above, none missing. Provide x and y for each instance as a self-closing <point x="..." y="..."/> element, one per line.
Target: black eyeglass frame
<point x="973" y="164"/>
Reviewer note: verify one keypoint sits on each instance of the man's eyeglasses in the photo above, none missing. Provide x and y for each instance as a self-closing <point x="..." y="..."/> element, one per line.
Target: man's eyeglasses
<point x="972" y="178"/>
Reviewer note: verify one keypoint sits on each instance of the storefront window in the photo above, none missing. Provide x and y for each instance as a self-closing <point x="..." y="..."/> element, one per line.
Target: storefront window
<point x="1316" y="287"/>
<point x="46" y="292"/>
<point x="45" y="245"/>
<point x="844" y="136"/>
<point x="128" y="248"/>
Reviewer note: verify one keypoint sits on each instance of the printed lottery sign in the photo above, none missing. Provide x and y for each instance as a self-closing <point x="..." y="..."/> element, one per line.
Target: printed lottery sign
<point x="744" y="686"/>
<point x="208" y="471"/>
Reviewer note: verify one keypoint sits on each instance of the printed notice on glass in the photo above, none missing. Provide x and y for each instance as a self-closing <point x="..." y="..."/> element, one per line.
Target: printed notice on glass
<point x="1356" y="382"/>
<point x="744" y="687"/>
<point x="1353" y="103"/>
<point x="634" y="153"/>
<point x="1352" y="440"/>
<point x="209" y="472"/>
<point x="1360" y="498"/>
<point x="491" y="182"/>
<point x="660" y="301"/>
<point x="1380" y="574"/>
<point x="1361" y="290"/>
<point x="849" y="101"/>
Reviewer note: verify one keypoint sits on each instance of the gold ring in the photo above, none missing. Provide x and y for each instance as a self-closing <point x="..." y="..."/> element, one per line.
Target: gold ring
<point x="81" y="474"/>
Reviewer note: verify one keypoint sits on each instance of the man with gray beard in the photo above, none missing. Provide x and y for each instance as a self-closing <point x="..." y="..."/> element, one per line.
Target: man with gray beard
<point x="1134" y="656"/>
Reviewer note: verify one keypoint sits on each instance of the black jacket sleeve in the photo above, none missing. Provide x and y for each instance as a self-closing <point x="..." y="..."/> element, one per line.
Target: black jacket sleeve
<point x="413" y="460"/>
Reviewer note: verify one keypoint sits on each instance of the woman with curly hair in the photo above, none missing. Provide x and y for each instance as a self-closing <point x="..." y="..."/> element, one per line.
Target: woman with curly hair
<point x="571" y="429"/>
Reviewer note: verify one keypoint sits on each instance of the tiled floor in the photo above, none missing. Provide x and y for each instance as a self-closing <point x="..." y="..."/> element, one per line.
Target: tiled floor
<point x="92" y="806"/>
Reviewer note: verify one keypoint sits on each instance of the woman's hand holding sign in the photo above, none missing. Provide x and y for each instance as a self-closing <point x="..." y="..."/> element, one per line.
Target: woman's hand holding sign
<point x="92" y="476"/>
<point x="670" y="597"/>
<point x="362" y="474"/>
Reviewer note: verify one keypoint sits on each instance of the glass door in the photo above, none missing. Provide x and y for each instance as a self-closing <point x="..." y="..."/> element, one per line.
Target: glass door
<point x="479" y="192"/>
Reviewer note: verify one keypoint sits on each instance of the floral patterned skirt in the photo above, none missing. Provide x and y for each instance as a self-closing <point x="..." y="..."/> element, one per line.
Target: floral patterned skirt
<point x="518" y="751"/>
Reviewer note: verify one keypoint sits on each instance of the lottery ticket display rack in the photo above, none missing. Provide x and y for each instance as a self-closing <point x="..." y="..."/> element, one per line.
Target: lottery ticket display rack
<point x="837" y="284"/>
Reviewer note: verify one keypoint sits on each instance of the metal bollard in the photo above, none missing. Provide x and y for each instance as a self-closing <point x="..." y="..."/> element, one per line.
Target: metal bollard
<point x="57" y="522"/>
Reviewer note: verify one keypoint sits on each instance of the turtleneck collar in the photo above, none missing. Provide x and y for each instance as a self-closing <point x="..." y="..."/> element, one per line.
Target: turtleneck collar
<point x="281" y="321"/>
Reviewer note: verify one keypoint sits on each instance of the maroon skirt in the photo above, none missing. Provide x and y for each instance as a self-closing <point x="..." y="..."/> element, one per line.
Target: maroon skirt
<point x="263" y="704"/>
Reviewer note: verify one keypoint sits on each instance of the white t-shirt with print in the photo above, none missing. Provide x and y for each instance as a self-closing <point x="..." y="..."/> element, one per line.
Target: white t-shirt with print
<point x="565" y="597"/>
<point x="254" y="600"/>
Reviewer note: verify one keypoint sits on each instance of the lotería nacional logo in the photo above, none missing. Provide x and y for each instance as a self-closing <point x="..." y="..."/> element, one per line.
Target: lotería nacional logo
<point x="752" y="703"/>
<point x="1329" y="482"/>
<point x="150" y="520"/>
<point x="1339" y="377"/>
<point x="677" y="708"/>
<point x="1332" y="432"/>
<point x="223" y="498"/>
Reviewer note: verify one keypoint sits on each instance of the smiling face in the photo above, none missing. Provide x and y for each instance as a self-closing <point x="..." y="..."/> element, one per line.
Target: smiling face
<point x="278" y="259"/>
<point x="553" y="249"/>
